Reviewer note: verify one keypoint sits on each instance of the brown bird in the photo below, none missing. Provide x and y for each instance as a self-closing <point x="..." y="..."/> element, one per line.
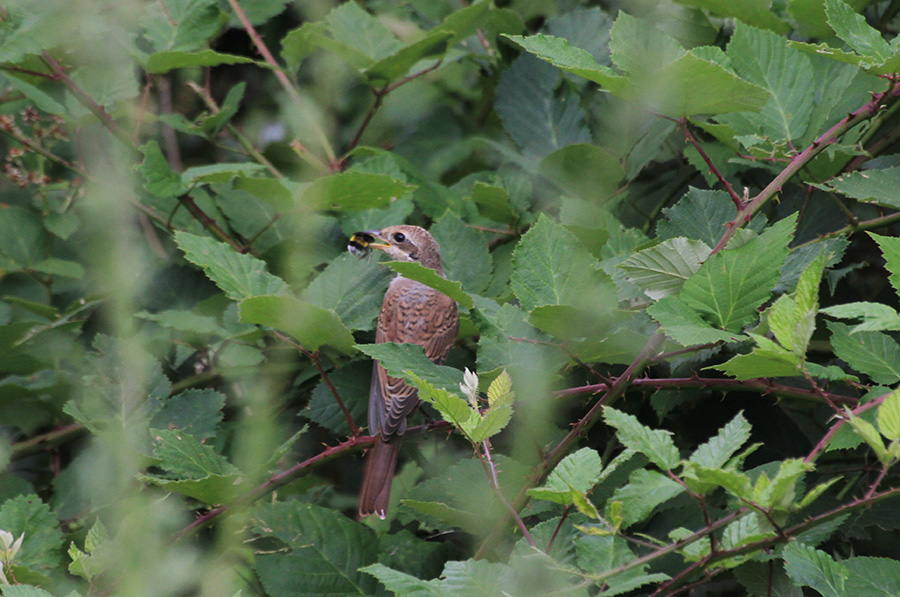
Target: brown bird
<point x="413" y="313"/>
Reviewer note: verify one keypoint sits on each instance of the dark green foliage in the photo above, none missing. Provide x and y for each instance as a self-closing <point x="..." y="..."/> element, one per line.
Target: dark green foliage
<point x="670" y="228"/>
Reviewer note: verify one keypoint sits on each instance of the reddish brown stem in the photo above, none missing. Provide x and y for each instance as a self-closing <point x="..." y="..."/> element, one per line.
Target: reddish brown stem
<point x="689" y="137"/>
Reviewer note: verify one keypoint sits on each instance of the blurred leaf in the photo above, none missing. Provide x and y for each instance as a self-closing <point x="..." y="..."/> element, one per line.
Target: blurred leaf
<point x="238" y="275"/>
<point x="41" y="548"/>
<point x="23" y="239"/>
<point x="398" y="64"/>
<point x="889" y="416"/>
<point x="159" y="178"/>
<point x="181" y="25"/>
<point x="753" y="12"/>
<point x="219" y="172"/>
<point x="311" y="326"/>
<point x="349" y="191"/>
<point x="584" y="170"/>
<point x="163" y="62"/>
<point x="195" y="412"/>
<point x="182" y="454"/>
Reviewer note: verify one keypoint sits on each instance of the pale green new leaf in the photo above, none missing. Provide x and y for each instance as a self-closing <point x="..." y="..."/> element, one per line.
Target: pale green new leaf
<point x="889" y="416"/>
<point x="238" y="275"/>
<point x="874" y="353"/>
<point x="500" y="391"/>
<point x="661" y="270"/>
<point x="810" y="567"/>
<point x="655" y="444"/>
<point x="877" y="317"/>
<point x="578" y="472"/>
<point x="779" y="493"/>
<point x="731" y="284"/>
<point x="311" y="326"/>
<point x="453" y="409"/>
<point x="702" y="477"/>
<point x="719" y="449"/>
<point x="871" y="436"/>
<point x="492" y="422"/>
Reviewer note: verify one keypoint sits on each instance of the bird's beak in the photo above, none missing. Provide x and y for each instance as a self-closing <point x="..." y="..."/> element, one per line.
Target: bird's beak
<point x="369" y="239"/>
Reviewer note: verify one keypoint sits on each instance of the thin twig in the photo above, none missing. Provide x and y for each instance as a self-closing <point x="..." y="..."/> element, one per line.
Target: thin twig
<point x="689" y="137"/>
<point x="491" y="469"/>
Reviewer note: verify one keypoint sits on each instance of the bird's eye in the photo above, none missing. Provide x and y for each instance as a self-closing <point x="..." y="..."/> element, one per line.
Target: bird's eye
<point x="399" y="237"/>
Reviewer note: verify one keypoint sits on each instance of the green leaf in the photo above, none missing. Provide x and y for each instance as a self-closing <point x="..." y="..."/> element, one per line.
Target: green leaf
<point x="872" y="437"/>
<point x="311" y="326"/>
<point x="453" y="409"/>
<point x="464" y="253"/>
<point x="41" y="548"/>
<point x="429" y="277"/>
<point x="661" y="270"/>
<point x="873" y="353"/>
<point x="182" y="26"/>
<point x="159" y="178"/>
<point x="758" y="13"/>
<point x="731" y="284"/>
<point x="875" y="186"/>
<point x="351" y="25"/>
<point x="401" y="583"/>
<point x="584" y="170"/>
<point x="537" y="121"/>
<point x="578" y="472"/>
<point x="163" y="62"/>
<point x="877" y="577"/>
<point x="853" y="29"/>
<point x="60" y="267"/>
<point x="492" y="422"/>
<point x="551" y="267"/>
<point x="720" y="448"/>
<point x="182" y="454"/>
<point x="219" y="172"/>
<point x="500" y="391"/>
<point x="23" y="239"/>
<point x="350" y="191"/>
<point x="210" y="489"/>
<point x="684" y="325"/>
<point x="397" y="359"/>
<point x="239" y="276"/>
<point x="889" y="416"/>
<point x="325" y="551"/>
<point x="655" y="444"/>
<point x="700" y="478"/>
<point x="637" y="46"/>
<point x="810" y="567"/>
<point x="494" y="203"/>
<point x="398" y="64"/>
<point x="352" y="384"/>
<point x="353" y="288"/>
<point x="196" y="412"/>
<point x="763" y="362"/>
<point x="877" y="317"/>
<point x="644" y="492"/>
<point x="764" y="59"/>
<point x="890" y="248"/>
<point x="699" y="215"/>
<point x="779" y="493"/>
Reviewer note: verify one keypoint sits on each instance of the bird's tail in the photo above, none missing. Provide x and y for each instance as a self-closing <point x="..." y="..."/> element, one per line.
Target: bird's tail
<point x="379" y="472"/>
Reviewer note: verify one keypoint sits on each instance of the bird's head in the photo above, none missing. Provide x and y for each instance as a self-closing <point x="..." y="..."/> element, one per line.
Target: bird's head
<point x="401" y="243"/>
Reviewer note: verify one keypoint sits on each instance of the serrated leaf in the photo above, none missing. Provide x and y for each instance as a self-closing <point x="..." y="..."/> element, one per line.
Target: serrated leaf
<point x="196" y="412"/>
<point x="889" y="416"/>
<point x="453" y="409"/>
<point x="890" y="249"/>
<point x="41" y="548"/>
<point x="684" y="325"/>
<point x="780" y="492"/>
<point x="699" y="215"/>
<point x="536" y="120"/>
<point x="720" y="448"/>
<point x="181" y="454"/>
<point x="311" y="326"/>
<point x="239" y="276"/>
<point x="492" y="422"/>
<point x="876" y="577"/>
<point x="776" y="362"/>
<point x="871" y="436"/>
<point x="181" y="25"/>
<point x="644" y="492"/>
<point x="853" y="29"/>
<point x="655" y="444"/>
<point x="731" y="284"/>
<point x="500" y="391"/>
<point x="661" y="270"/>
<point x="351" y="191"/>
<point x="397" y="359"/>
<point x="733" y="481"/>
<point x="877" y="317"/>
<point x="323" y="555"/>
<point x="159" y="178"/>
<point x="810" y="567"/>
<point x="464" y="253"/>
<point x="875" y="186"/>
<point x="210" y="489"/>
<point x="401" y="583"/>
<point x="550" y="267"/>
<point x="874" y="353"/>
<point x="578" y="472"/>
<point x="758" y="13"/>
<point x="353" y="288"/>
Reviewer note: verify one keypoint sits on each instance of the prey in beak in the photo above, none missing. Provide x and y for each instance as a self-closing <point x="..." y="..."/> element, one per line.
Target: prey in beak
<point x="362" y="243"/>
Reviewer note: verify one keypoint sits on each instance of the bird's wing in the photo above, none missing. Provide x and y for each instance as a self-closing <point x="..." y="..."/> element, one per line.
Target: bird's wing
<point x="415" y="314"/>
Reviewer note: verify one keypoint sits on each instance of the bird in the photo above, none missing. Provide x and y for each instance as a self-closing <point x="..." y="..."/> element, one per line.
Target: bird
<point x="412" y="313"/>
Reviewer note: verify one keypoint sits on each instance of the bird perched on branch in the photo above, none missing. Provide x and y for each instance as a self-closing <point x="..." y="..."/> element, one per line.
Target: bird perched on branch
<point x="412" y="313"/>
